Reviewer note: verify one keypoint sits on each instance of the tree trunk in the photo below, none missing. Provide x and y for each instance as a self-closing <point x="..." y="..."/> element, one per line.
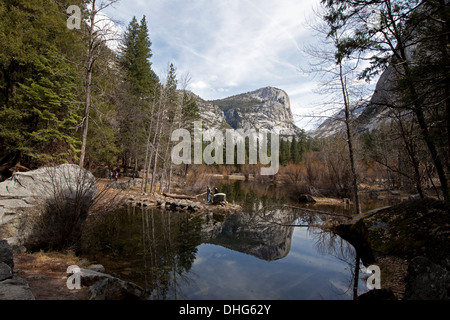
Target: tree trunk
<point x="87" y="102"/>
<point x="350" y="140"/>
<point x="156" y="149"/>
<point x="147" y="150"/>
<point x="412" y="155"/>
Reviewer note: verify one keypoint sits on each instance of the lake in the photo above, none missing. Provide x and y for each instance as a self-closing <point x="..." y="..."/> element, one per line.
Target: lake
<point x="265" y="252"/>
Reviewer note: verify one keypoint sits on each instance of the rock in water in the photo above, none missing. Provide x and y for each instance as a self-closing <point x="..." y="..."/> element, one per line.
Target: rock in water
<point x="219" y="197"/>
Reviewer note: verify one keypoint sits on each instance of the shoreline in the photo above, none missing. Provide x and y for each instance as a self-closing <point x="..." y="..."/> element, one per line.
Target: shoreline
<point x="112" y="199"/>
<point x="46" y="271"/>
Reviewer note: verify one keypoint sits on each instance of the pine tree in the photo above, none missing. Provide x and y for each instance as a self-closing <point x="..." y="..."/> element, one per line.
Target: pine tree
<point x="296" y="154"/>
<point x="135" y="55"/>
<point x="38" y="84"/>
<point x="140" y="92"/>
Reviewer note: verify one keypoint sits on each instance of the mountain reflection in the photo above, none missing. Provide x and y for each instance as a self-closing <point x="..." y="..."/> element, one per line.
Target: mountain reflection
<point x="157" y="249"/>
<point x="252" y="234"/>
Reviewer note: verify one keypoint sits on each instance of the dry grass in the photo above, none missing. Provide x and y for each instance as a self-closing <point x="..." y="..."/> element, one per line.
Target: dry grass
<point x="46" y="274"/>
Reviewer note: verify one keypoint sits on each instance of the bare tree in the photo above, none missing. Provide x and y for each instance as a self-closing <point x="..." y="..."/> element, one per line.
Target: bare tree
<point x="335" y="68"/>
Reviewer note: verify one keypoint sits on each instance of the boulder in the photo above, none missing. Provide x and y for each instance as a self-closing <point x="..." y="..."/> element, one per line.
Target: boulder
<point x="377" y="294"/>
<point x="89" y="277"/>
<point x="357" y="235"/>
<point x="219" y="197"/>
<point x="111" y="288"/>
<point x="102" y="173"/>
<point x="11" y="288"/>
<point x="5" y="271"/>
<point x="426" y="280"/>
<point x="97" y="267"/>
<point x="106" y="287"/>
<point x="30" y="192"/>
<point x="305" y="198"/>
<point x="6" y="253"/>
<point x="15" y="289"/>
<point x="195" y="206"/>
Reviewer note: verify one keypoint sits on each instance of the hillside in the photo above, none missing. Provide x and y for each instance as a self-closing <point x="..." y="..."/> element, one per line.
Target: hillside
<point x="266" y="108"/>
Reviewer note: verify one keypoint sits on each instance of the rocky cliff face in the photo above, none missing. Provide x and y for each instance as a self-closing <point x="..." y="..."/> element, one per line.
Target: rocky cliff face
<point x="266" y="108"/>
<point x="210" y="114"/>
<point x="367" y="115"/>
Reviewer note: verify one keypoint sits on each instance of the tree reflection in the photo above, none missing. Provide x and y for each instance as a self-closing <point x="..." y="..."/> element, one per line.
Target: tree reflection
<point x="331" y="244"/>
<point x="152" y="248"/>
<point x="156" y="249"/>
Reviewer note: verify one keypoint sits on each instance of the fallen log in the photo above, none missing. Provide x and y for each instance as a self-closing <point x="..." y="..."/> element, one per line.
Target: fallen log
<point x="182" y="196"/>
<point x="178" y="196"/>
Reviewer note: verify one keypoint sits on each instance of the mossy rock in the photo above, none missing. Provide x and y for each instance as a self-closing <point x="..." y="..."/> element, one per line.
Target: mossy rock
<point x="416" y="227"/>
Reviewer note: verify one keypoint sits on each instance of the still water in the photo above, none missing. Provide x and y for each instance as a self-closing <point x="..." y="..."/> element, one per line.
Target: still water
<point x="271" y="253"/>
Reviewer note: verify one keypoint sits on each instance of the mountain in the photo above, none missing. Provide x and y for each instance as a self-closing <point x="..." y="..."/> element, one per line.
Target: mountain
<point x="210" y="114"/>
<point x="266" y="108"/>
<point x="367" y="115"/>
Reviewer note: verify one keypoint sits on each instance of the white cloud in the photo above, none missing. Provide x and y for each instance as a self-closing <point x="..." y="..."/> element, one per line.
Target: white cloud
<point x="199" y="85"/>
<point x="228" y="47"/>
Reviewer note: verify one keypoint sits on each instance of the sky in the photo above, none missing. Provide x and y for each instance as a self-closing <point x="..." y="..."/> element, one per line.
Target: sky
<point x="228" y="47"/>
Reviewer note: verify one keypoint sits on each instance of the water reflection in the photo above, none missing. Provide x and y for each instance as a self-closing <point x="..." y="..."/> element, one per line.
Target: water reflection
<point x="152" y="248"/>
<point x="252" y="255"/>
<point x="252" y="234"/>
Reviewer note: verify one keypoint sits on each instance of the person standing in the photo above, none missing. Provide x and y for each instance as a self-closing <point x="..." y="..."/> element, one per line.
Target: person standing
<point x="208" y="193"/>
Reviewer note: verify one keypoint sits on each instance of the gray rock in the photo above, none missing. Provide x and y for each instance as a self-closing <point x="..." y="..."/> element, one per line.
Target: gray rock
<point x="111" y="288"/>
<point x="6" y="253"/>
<point x="15" y="245"/>
<point x="5" y="271"/>
<point x="15" y="289"/>
<point x="194" y="206"/>
<point x="29" y="192"/>
<point x="89" y="277"/>
<point x="219" y="197"/>
<point x="426" y="280"/>
<point x="106" y="287"/>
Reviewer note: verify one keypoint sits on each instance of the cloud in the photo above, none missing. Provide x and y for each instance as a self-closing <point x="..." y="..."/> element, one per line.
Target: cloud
<point x="228" y="47"/>
<point x="199" y="85"/>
